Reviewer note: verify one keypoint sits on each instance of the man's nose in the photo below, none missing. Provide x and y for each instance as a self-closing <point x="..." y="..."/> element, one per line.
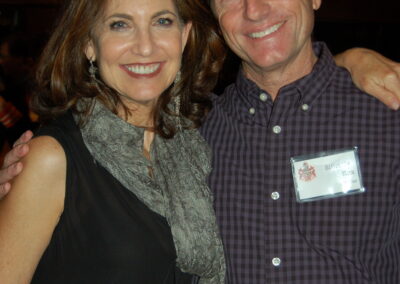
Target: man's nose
<point x="256" y="10"/>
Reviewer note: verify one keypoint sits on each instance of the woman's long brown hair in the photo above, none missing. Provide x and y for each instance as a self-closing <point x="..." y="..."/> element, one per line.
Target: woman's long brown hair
<point x="63" y="77"/>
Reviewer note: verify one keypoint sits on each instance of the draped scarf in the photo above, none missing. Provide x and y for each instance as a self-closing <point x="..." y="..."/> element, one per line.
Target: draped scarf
<point x="177" y="190"/>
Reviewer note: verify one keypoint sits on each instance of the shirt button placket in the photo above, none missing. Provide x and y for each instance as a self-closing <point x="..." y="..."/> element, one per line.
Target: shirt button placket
<point x="276" y="261"/>
<point x="276" y="129"/>
<point x="275" y="195"/>
<point x="263" y="97"/>
<point x="305" y="107"/>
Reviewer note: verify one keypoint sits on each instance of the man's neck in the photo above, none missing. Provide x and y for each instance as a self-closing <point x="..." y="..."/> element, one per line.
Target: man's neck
<point x="272" y="79"/>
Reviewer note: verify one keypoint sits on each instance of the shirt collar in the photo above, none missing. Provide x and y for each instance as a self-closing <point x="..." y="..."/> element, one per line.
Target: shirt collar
<point x="314" y="84"/>
<point x="244" y="95"/>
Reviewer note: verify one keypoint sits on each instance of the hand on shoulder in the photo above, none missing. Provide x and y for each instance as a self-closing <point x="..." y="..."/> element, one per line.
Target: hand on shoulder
<point x="11" y="165"/>
<point x="374" y="74"/>
<point x="44" y="165"/>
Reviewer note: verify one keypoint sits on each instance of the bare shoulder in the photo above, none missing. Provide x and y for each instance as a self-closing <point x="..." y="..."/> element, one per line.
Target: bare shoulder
<point x="47" y="151"/>
<point x="44" y="173"/>
<point x="40" y="188"/>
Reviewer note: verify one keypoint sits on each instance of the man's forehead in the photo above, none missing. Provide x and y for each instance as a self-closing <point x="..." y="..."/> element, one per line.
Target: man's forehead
<point x="214" y="3"/>
<point x="211" y="2"/>
<point x="221" y="3"/>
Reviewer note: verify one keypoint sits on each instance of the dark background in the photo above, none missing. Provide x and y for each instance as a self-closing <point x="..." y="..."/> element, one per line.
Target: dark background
<point x="373" y="24"/>
<point x="340" y="23"/>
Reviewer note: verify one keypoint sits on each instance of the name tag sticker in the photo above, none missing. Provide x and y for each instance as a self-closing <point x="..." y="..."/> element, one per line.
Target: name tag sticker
<point x="327" y="175"/>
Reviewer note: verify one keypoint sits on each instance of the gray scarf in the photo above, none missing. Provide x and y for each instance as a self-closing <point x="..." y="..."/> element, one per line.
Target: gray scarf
<point x="178" y="190"/>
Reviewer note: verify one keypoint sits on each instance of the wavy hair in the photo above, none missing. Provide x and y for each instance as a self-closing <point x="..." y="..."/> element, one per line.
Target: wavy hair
<point x="63" y="78"/>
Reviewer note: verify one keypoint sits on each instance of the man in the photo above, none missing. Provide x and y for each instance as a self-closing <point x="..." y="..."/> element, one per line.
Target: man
<point x="291" y="100"/>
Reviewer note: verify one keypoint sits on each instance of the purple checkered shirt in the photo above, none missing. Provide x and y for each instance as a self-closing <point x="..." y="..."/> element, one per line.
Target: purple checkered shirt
<point x="268" y="236"/>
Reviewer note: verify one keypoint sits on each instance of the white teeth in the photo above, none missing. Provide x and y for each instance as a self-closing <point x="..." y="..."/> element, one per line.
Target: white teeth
<point x="268" y="31"/>
<point x="143" y="69"/>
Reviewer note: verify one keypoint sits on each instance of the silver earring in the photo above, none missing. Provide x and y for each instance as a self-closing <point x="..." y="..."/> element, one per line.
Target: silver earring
<point x="177" y="104"/>
<point x="92" y="70"/>
<point x="177" y="107"/>
<point x="177" y="100"/>
<point x="178" y="77"/>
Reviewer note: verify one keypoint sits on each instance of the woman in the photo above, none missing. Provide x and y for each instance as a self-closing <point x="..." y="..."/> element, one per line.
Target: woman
<point x="114" y="185"/>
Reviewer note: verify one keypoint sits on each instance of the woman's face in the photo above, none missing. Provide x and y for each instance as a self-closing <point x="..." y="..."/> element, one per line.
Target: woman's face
<point x="138" y="46"/>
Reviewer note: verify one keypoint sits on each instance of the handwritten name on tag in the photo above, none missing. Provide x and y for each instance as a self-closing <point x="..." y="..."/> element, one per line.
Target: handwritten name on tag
<point x="327" y="175"/>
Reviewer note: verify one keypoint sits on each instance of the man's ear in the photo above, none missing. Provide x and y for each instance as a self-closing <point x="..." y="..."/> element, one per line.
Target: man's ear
<point x="89" y="51"/>
<point x="316" y="4"/>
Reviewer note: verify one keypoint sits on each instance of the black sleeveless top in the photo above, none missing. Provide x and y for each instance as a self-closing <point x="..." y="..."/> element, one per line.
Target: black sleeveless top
<point x="105" y="234"/>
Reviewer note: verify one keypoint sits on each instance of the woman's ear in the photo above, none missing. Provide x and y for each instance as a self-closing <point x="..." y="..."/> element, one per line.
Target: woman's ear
<point x="185" y="33"/>
<point x="89" y="51"/>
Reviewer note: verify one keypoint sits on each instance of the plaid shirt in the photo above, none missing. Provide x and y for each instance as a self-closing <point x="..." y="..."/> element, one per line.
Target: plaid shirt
<point x="268" y="236"/>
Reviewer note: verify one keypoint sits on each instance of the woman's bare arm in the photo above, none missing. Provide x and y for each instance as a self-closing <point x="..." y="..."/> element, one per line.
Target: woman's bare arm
<point x="30" y="212"/>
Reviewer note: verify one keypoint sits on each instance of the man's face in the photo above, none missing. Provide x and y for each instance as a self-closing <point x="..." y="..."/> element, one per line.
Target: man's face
<point x="267" y="34"/>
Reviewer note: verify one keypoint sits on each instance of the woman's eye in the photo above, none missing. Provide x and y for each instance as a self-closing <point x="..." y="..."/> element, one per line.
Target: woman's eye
<point x="164" y="21"/>
<point x="118" y="25"/>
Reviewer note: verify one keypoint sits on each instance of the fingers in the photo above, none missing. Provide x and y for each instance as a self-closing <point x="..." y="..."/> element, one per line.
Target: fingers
<point x="4" y="189"/>
<point x="25" y="137"/>
<point x="19" y="150"/>
<point x="11" y="165"/>
<point x="391" y="85"/>
<point x="385" y="86"/>
<point x="377" y="75"/>
<point x="6" y="174"/>
<point x="14" y="156"/>
<point x="388" y="82"/>
<point x="387" y="97"/>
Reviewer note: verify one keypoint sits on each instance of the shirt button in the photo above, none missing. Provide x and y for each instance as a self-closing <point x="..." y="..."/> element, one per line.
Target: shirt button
<point x="275" y="195"/>
<point x="252" y="110"/>
<point x="263" y="97"/>
<point x="276" y="261"/>
<point x="305" y="107"/>
<point x="277" y="129"/>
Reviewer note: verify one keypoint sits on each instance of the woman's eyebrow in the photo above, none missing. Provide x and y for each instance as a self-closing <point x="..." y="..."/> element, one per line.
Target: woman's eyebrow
<point x="120" y="15"/>
<point x="163" y="12"/>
